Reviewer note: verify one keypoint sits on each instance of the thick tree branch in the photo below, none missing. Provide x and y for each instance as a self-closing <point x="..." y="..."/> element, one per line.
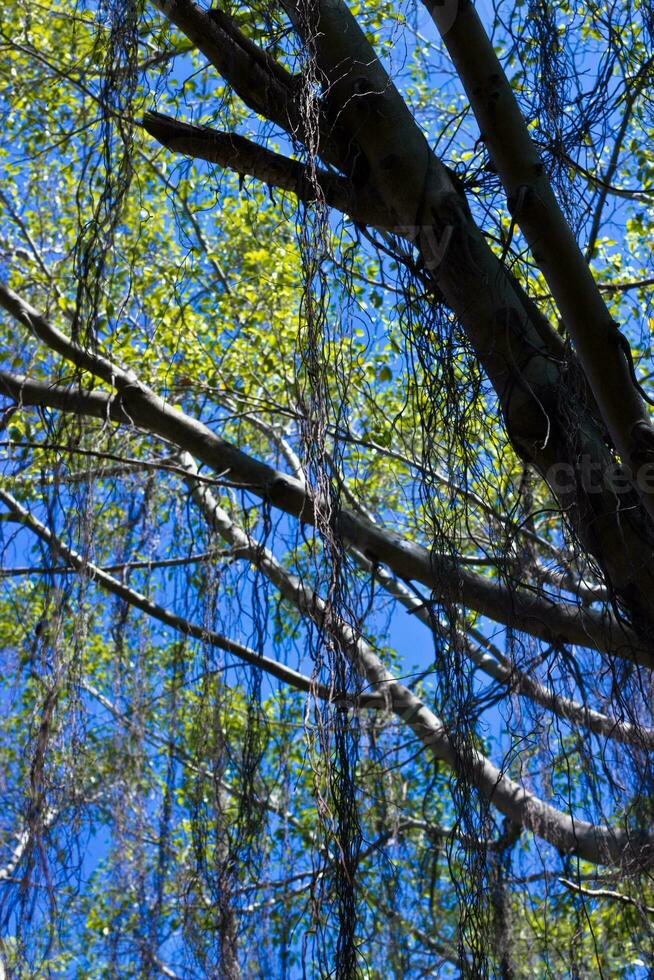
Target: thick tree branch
<point x="528" y="611"/>
<point x="598" y="844"/>
<point x="265" y="86"/>
<point x="514" y="344"/>
<point x="603" y="351"/>
<point x="259" y="80"/>
<point x="245" y="157"/>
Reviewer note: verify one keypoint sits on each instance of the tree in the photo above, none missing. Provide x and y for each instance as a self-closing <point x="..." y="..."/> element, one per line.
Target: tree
<point x="328" y="489"/>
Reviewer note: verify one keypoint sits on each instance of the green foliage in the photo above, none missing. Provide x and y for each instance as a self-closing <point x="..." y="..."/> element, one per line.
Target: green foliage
<point x="180" y="798"/>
